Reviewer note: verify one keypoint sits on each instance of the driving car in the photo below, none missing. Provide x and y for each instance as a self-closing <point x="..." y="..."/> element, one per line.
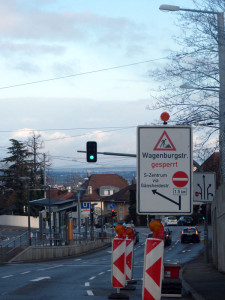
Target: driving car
<point x="136" y="233"/>
<point x="167" y="236"/>
<point x="190" y="234"/>
<point x="185" y="220"/>
<point x="170" y="221"/>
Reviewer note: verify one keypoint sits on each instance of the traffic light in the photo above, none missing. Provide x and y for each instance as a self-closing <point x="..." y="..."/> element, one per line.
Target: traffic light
<point x="203" y="211"/>
<point x="91" y="150"/>
<point x="114" y="214"/>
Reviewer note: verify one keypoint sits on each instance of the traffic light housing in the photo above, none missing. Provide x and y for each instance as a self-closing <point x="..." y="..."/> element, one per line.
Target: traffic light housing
<point x="91" y="150"/>
<point x="114" y="213"/>
<point x="203" y="211"/>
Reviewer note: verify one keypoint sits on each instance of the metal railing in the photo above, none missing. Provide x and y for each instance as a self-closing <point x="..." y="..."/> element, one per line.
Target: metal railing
<point x="9" y="249"/>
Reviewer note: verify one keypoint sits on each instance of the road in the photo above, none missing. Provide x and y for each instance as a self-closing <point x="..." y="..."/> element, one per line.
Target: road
<point x="84" y="277"/>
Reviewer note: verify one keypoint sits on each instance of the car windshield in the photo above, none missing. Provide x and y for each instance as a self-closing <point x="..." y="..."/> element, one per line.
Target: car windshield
<point x="171" y="218"/>
<point x="189" y="230"/>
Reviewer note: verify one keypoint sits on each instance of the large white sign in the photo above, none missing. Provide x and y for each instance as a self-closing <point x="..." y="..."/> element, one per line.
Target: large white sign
<point x="204" y="186"/>
<point x="164" y="170"/>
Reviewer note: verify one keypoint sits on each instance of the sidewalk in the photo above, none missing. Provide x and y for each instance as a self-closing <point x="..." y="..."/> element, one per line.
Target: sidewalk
<point x="203" y="281"/>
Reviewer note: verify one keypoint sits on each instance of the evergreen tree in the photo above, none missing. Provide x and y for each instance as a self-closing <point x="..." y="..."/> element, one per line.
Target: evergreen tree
<point x="15" y="175"/>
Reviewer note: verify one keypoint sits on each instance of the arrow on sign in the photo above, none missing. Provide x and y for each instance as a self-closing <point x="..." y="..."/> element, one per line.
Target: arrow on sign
<point x="163" y="196"/>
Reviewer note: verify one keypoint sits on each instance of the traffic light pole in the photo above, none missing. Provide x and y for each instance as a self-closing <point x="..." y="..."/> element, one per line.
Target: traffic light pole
<point x="111" y="153"/>
<point x="206" y="244"/>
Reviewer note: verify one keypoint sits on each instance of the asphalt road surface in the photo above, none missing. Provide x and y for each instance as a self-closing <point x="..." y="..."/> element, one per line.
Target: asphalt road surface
<point x="85" y="277"/>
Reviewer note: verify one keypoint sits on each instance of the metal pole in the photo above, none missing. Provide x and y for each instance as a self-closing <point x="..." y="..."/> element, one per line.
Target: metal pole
<point x="101" y="219"/>
<point x="28" y="200"/>
<point x="78" y="211"/>
<point x="49" y="212"/>
<point x="221" y="47"/>
<point x="206" y="244"/>
<point x="44" y="174"/>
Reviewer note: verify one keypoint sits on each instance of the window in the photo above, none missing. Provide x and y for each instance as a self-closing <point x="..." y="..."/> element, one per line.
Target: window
<point x="89" y="190"/>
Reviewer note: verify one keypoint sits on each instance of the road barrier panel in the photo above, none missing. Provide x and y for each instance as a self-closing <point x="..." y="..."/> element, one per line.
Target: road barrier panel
<point x="153" y="269"/>
<point x="118" y="267"/>
<point x="129" y="259"/>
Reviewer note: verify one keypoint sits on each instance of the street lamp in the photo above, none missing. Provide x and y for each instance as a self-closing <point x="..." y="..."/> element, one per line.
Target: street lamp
<point x="221" y="48"/>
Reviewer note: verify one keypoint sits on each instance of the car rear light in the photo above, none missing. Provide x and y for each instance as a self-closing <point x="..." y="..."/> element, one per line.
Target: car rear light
<point x="167" y="235"/>
<point x="196" y="232"/>
<point x="182" y="232"/>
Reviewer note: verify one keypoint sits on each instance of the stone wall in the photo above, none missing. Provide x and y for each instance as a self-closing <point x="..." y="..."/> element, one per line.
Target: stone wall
<point x="21" y="221"/>
<point x="57" y="252"/>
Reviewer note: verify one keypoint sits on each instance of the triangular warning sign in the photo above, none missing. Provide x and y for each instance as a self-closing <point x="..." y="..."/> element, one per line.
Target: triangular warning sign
<point x="164" y="143"/>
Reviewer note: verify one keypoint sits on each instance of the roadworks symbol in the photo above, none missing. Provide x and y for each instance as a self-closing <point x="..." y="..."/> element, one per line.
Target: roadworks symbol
<point x="164" y="143"/>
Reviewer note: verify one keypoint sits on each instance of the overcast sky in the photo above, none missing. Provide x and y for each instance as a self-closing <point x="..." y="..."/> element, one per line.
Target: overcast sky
<point x="65" y="73"/>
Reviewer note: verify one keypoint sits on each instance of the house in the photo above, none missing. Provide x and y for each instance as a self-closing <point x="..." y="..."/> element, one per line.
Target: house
<point x="101" y="191"/>
<point x="212" y="164"/>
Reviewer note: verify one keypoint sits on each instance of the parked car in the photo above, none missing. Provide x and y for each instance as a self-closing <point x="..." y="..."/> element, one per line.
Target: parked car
<point x="170" y="221"/>
<point x="190" y="234"/>
<point x="185" y="220"/>
<point x="167" y="236"/>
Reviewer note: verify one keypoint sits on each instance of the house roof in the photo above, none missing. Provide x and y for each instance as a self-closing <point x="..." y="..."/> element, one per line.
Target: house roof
<point x="98" y="180"/>
<point x="60" y="195"/>
<point x="122" y="195"/>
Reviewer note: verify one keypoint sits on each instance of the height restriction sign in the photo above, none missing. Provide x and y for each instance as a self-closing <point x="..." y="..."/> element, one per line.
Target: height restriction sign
<point x="164" y="170"/>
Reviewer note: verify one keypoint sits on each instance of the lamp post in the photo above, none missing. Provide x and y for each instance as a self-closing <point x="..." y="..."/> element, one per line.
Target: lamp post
<point x="221" y="48"/>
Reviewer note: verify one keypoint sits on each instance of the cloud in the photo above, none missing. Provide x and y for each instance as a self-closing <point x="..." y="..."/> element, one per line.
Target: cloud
<point x="20" y="23"/>
<point x="10" y="47"/>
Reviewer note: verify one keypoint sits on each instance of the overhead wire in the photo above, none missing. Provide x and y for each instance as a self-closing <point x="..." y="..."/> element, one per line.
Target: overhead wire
<point x="82" y="73"/>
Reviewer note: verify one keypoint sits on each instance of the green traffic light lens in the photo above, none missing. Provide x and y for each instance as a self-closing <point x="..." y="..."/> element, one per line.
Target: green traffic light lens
<point x="92" y="157"/>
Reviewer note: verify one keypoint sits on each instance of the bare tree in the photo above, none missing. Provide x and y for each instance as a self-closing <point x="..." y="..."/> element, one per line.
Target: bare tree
<point x="194" y="65"/>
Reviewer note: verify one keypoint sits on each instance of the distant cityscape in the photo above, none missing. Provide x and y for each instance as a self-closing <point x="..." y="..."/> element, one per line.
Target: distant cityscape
<point x="72" y="176"/>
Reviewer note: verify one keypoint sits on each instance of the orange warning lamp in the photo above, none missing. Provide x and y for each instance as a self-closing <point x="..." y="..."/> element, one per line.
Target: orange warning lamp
<point x="120" y="229"/>
<point x="165" y="117"/>
<point x="155" y="226"/>
<point x="129" y="231"/>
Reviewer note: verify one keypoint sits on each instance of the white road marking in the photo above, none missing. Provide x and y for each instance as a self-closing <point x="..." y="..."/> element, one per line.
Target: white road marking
<point x="25" y="273"/>
<point x="40" y="278"/>
<point x="48" y="268"/>
<point x="7" y="276"/>
<point x="87" y="284"/>
<point x="93" y="277"/>
<point x="90" y="293"/>
<point x="101" y="273"/>
<point x="109" y="270"/>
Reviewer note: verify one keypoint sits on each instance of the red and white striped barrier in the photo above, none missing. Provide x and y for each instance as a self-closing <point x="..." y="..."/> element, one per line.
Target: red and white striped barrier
<point x="129" y="258"/>
<point x="153" y="269"/>
<point x="118" y="262"/>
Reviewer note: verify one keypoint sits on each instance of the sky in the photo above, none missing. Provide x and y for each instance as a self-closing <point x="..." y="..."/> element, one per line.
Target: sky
<point x="77" y="71"/>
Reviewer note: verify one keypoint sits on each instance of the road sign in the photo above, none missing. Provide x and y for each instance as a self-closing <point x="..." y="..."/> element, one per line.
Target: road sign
<point x="180" y="179"/>
<point x="112" y="206"/>
<point x="85" y="206"/>
<point x="164" y="170"/>
<point x="204" y="186"/>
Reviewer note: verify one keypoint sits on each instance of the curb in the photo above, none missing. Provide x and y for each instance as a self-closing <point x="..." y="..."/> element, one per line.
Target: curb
<point x="193" y="292"/>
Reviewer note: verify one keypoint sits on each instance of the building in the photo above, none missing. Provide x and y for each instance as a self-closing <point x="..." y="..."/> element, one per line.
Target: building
<point x="104" y="193"/>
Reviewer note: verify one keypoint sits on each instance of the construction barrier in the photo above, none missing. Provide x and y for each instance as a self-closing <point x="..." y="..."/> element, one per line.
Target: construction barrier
<point x="172" y="284"/>
<point x="118" y="262"/>
<point x="129" y="259"/>
<point x="153" y="269"/>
